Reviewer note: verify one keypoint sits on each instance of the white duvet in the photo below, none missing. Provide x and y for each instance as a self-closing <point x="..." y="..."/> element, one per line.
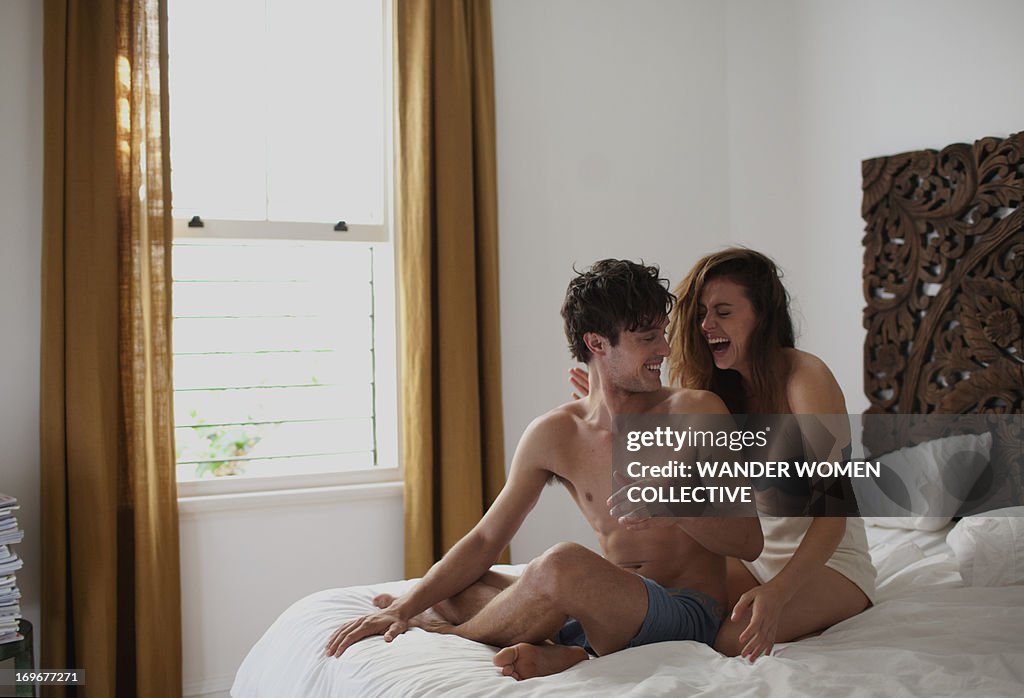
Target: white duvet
<point x="928" y="635"/>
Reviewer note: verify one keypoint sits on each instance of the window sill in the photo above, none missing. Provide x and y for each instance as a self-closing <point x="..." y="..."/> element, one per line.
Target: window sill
<point x="304" y="496"/>
<point x="276" y="483"/>
<point x="233" y="493"/>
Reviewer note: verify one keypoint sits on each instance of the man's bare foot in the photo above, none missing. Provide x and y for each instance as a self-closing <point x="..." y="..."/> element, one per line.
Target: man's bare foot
<point x="383" y="600"/>
<point x="430" y="621"/>
<point x="526" y="661"/>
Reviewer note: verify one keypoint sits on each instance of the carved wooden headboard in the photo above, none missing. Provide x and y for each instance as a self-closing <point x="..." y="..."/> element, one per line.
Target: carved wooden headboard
<point x="944" y="283"/>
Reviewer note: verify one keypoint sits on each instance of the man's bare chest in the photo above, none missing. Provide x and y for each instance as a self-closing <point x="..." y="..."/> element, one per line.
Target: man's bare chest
<point x="585" y="469"/>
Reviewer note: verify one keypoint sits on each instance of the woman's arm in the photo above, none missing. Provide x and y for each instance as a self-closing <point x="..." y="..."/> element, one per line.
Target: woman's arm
<point x="768" y="600"/>
<point x="811" y="390"/>
<point x="579" y="379"/>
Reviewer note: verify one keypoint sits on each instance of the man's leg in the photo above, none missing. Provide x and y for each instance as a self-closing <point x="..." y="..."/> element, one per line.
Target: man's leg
<point x="467" y="603"/>
<point x="568" y="580"/>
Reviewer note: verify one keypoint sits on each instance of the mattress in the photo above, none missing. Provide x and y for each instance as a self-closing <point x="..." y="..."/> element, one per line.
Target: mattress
<point x="927" y="635"/>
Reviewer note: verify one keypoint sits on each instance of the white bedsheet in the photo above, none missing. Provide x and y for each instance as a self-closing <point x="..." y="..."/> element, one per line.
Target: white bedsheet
<point x="928" y="635"/>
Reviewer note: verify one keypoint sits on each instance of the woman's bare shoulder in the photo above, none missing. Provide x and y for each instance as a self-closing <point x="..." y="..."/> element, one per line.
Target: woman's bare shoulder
<point x="811" y="386"/>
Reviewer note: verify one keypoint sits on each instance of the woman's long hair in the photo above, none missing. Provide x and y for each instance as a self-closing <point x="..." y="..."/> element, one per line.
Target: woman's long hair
<point x="691" y="363"/>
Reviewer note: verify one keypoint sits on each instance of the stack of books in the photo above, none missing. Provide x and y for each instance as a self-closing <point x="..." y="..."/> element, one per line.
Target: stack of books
<point x="10" y="596"/>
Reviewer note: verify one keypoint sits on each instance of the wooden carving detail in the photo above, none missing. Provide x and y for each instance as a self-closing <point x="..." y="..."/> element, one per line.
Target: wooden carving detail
<point x="944" y="282"/>
<point x="944" y="279"/>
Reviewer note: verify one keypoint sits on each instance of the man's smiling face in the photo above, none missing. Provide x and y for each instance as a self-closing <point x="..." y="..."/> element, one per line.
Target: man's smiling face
<point x="634" y="363"/>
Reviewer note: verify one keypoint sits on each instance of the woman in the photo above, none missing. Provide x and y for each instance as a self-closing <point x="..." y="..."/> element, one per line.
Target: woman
<point x="731" y="333"/>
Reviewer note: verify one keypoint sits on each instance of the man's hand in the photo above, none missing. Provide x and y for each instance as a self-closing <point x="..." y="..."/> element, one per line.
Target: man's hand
<point x="386" y="622"/>
<point x="636" y="522"/>
<point x="636" y="516"/>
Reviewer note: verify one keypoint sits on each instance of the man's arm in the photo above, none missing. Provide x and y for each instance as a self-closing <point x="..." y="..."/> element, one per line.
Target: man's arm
<point x="468" y="559"/>
<point x="476" y="552"/>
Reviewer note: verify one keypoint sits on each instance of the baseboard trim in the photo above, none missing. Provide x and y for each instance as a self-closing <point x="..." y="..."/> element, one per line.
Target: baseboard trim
<point x="218" y="685"/>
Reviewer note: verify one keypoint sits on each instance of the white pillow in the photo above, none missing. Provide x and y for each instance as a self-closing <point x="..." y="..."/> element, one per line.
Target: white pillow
<point x="923" y="486"/>
<point x="990" y="548"/>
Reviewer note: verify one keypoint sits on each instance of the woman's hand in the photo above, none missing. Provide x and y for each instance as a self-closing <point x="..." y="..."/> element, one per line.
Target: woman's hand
<point x="580" y="380"/>
<point x="765" y="603"/>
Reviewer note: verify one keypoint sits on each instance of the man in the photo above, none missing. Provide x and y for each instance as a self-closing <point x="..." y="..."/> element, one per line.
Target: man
<point x="659" y="579"/>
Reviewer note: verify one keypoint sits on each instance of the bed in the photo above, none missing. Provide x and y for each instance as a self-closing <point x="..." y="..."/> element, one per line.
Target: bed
<point x="944" y="265"/>
<point x="928" y="635"/>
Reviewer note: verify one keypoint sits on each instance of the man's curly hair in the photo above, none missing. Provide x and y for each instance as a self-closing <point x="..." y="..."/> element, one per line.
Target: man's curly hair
<point x="610" y="297"/>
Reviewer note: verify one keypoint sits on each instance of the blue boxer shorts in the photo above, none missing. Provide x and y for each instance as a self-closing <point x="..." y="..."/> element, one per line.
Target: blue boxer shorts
<point x="672" y="614"/>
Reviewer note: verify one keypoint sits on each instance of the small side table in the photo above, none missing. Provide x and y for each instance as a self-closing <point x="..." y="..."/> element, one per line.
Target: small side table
<point x="24" y="657"/>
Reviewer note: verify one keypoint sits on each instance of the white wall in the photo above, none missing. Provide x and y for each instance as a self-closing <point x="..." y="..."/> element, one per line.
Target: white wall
<point x="664" y="130"/>
<point x="611" y="138"/>
<point x="21" y="187"/>
<point x="817" y="86"/>
<point x="245" y="559"/>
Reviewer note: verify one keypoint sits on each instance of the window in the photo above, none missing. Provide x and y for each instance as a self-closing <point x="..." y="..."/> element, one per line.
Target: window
<point x="283" y="292"/>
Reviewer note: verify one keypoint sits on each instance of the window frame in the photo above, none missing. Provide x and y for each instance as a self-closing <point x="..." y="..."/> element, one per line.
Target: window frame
<point x="238" y="229"/>
<point x="387" y="370"/>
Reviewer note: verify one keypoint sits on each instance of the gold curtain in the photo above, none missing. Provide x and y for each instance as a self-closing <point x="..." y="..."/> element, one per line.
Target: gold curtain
<point x="111" y="588"/>
<point x="447" y="214"/>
